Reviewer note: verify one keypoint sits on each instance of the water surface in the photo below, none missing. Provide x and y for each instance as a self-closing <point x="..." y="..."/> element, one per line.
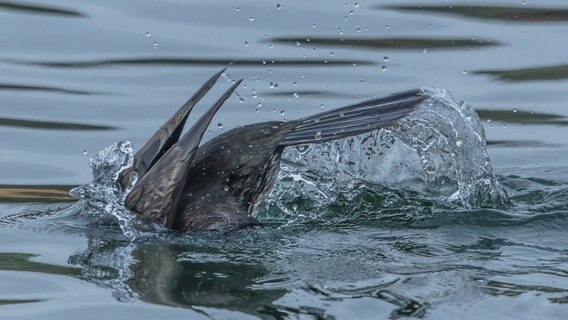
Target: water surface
<point x="77" y="77"/>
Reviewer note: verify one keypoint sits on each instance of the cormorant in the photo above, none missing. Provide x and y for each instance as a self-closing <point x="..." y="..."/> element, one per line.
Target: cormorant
<point x="216" y="186"/>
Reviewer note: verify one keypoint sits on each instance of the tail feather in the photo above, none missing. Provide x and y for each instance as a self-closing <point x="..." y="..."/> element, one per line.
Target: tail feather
<point x="165" y="137"/>
<point x="354" y="119"/>
<point x="159" y="192"/>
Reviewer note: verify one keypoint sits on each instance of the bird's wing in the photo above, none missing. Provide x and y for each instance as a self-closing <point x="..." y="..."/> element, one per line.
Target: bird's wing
<point x="354" y="119"/>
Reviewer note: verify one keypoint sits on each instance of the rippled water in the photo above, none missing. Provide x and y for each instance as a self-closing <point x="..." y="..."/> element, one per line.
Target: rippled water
<point x="77" y="77"/>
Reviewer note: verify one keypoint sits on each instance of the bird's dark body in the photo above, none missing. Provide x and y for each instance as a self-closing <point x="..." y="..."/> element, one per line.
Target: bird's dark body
<point x="231" y="173"/>
<point x="217" y="185"/>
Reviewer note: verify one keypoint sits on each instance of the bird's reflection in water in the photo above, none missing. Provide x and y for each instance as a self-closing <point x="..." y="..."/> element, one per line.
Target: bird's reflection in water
<point x="163" y="273"/>
<point x="208" y="278"/>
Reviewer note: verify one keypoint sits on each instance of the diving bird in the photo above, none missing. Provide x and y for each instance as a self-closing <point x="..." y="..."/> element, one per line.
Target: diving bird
<point x="216" y="186"/>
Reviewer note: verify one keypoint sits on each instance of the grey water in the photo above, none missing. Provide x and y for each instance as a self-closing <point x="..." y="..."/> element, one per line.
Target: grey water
<point x="362" y="242"/>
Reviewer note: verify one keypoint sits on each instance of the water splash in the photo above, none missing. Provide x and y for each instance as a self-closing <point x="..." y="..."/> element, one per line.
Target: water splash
<point x="104" y="197"/>
<point x="435" y="157"/>
<point x="438" y="153"/>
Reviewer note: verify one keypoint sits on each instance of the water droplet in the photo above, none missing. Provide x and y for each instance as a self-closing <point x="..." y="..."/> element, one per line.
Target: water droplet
<point x="298" y="43"/>
<point x="220" y="125"/>
<point x="524" y="2"/>
<point x="385" y="58"/>
<point x="341" y="114"/>
<point x="314" y="25"/>
<point x="350" y="12"/>
<point x="282" y="112"/>
<point x="254" y="94"/>
<point x="387" y="26"/>
<point x="271" y="46"/>
<point x="155" y="44"/>
<point x="383" y="68"/>
<point x="238" y="9"/>
<point x="85" y="151"/>
<point x="296" y="95"/>
<point x="362" y="81"/>
<point x="356" y="4"/>
<point x="464" y="72"/>
<point x="318" y="135"/>
<point x="278" y="6"/>
<point x="332" y="53"/>
<point x="515" y="110"/>
<point x="246" y="44"/>
<point x="425" y="51"/>
<point x="241" y="100"/>
<point x="148" y="34"/>
<point x="322" y="106"/>
<point x="251" y="18"/>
